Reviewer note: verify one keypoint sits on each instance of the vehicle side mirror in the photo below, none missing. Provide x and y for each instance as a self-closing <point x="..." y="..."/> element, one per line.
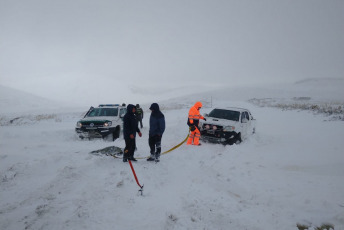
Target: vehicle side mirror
<point x="244" y="120"/>
<point x="121" y="116"/>
<point x="206" y="115"/>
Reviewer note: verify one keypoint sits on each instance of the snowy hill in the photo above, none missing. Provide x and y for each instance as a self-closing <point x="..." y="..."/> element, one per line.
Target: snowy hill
<point x="16" y="101"/>
<point x="290" y="172"/>
<point x="321" y="96"/>
<point x="18" y="107"/>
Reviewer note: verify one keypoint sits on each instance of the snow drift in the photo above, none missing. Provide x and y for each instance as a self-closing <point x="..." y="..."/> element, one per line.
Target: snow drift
<point x="290" y="172"/>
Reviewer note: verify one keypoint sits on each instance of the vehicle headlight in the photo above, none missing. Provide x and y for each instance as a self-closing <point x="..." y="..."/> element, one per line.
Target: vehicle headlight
<point x="228" y="128"/>
<point x="107" y="124"/>
<point x="78" y="124"/>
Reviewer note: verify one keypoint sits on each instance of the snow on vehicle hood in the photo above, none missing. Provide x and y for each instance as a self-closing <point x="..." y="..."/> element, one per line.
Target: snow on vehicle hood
<point x="220" y="122"/>
<point x="101" y="118"/>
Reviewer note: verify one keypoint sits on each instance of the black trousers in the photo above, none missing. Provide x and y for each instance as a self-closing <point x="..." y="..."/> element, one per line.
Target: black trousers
<point x="130" y="145"/>
<point x="139" y="120"/>
<point x="155" y="144"/>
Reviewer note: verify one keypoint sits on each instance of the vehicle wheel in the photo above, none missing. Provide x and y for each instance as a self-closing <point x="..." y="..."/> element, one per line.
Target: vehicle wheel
<point x="116" y="133"/>
<point x="109" y="137"/>
<point x="231" y="141"/>
<point x="238" y="139"/>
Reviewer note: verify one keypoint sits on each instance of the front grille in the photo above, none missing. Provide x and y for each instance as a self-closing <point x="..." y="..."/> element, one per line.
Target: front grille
<point x="95" y="123"/>
<point x="210" y="127"/>
<point x="211" y="130"/>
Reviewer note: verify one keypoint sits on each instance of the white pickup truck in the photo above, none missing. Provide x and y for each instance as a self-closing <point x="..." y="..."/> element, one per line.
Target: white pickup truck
<point x="227" y="125"/>
<point x="105" y="121"/>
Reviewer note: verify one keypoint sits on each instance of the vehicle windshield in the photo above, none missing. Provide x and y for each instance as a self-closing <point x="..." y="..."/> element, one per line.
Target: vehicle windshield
<point x="97" y="112"/>
<point x="225" y="114"/>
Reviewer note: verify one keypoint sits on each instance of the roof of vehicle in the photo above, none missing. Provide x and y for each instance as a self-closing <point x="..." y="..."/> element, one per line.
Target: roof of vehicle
<point x="110" y="105"/>
<point x="232" y="108"/>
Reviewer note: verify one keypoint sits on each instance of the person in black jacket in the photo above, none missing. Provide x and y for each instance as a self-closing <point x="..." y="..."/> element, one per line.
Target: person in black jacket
<point x="139" y="114"/>
<point x="156" y="129"/>
<point x="129" y="131"/>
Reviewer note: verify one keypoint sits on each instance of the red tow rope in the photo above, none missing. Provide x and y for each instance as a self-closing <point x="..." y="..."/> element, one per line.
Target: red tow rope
<point x="137" y="181"/>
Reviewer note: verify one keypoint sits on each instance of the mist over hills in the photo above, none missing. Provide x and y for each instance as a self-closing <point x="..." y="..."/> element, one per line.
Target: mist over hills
<point x="317" y="90"/>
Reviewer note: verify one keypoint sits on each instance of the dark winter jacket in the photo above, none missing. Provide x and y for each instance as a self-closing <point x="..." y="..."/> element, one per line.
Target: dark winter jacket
<point x="130" y="123"/>
<point x="139" y="112"/>
<point x="156" y="121"/>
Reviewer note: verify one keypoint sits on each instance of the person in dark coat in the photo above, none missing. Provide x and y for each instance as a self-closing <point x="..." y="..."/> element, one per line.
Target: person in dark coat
<point x="139" y="114"/>
<point x="156" y="129"/>
<point x="129" y="131"/>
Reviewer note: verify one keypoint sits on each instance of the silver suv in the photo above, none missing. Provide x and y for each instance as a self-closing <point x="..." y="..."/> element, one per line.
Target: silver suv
<point x="105" y="121"/>
<point x="227" y="125"/>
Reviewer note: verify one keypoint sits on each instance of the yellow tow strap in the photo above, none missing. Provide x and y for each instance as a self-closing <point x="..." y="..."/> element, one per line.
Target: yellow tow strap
<point x="163" y="152"/>
<point x="176" y="145"/>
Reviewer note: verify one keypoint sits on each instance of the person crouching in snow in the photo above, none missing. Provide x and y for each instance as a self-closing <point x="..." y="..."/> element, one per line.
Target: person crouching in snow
<point x="156" y="129"/>
<point x="193" y="121"/>
<point x="129" y="130"/>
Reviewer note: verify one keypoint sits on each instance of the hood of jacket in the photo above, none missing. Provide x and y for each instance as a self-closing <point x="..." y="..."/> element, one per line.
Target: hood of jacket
<point x="156" y="110"/>
<point x="154" y="107"/>
<point x="130" y="108"/>
<point x="198" y="105"/>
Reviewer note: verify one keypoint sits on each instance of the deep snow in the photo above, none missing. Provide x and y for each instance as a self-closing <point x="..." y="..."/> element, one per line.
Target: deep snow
<point x="291" y="171"/>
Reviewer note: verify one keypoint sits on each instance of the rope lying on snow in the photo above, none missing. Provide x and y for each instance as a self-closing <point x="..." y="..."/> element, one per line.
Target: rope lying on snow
<point x="109" y="152"/>
<point x="170" y="150"/>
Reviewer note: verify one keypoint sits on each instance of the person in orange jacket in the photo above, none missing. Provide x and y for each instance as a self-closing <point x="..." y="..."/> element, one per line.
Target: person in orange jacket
<point x="193" y="121"/>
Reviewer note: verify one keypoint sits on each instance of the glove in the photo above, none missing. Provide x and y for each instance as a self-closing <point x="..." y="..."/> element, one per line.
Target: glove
<point x="192" y="128"/>
<point x="204" y="119"/>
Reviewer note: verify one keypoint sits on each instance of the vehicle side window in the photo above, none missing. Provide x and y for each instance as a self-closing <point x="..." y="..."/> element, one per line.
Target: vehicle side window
<point x="122" y="112"/>
<point x="247" y="116"/>
<point x="244" y="115"/>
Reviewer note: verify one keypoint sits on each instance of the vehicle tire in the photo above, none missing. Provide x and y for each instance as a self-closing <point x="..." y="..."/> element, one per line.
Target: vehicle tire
<point x="108" y="137"/>
<point x="116" y="133"/>
<point x="238" y="139"/>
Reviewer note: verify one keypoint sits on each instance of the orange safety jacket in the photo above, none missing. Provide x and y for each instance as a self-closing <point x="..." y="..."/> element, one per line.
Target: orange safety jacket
<point x="194" y="114"/>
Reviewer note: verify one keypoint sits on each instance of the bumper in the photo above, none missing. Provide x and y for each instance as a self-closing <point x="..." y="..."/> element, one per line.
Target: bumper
<point x="219" y="137"/>
<point x="93" y="133"/>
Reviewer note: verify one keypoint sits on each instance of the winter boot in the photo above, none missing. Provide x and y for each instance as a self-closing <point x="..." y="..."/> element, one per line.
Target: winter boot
<point x="157" y="157"/>
<point x="151" y="158"/>
<point x="132" y="159"/>
<point x="125" y="155"/>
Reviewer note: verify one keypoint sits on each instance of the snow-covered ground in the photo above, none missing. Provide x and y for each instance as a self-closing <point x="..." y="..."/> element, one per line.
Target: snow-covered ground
<point x="290" y="172"/>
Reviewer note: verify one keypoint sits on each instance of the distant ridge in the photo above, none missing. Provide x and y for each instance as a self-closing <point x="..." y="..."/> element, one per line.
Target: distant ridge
<point x="321" y="80"/>
<point x="13" y="101"/>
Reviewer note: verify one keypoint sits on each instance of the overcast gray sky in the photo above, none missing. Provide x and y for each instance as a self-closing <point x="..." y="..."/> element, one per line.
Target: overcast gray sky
<point x="64" y="49"/>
